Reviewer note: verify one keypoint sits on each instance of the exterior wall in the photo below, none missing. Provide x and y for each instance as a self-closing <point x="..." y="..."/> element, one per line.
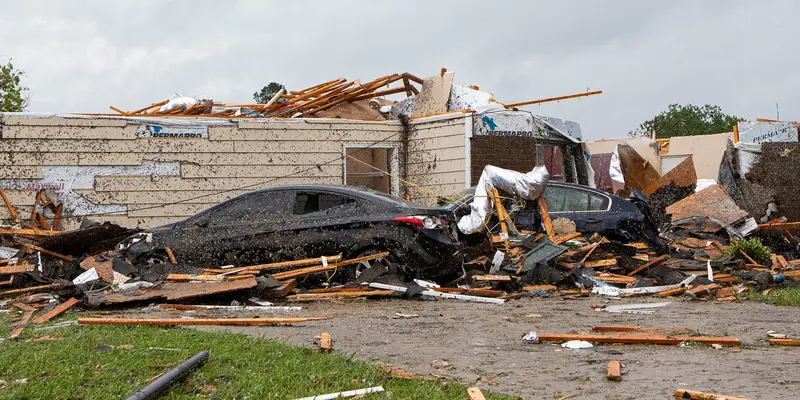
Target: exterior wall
<point x="645" y="148"/>
<point x="436" y="157"/>
<point x="706" y="151"/>
<point x="104" y="170"/>
<point x="514" y="153"/>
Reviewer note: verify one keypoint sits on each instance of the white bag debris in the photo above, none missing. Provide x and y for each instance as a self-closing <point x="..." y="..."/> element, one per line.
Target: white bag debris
<point x="527" y="186"/>
<point x="178" y="101"/>
<point x="577" y="344"/>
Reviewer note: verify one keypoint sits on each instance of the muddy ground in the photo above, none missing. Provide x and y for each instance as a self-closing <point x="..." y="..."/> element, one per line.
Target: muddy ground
<point x="481" y="343"/>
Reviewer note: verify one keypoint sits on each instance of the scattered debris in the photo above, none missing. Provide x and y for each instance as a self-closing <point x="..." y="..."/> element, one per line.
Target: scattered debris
<point x="195" y="321"/>
<point x="475" y="393"/>
<point x="344" y="395"/>
<point x="614" y="371"/>
<point x="695" y="395"/>
<point x="577" y="344"/>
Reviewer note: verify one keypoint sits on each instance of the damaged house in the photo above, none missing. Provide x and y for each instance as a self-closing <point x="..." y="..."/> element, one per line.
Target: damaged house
<point x="174" y="158"/>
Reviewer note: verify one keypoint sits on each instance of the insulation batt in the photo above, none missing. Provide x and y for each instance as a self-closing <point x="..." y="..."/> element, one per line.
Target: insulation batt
<point x="527" y="186"/>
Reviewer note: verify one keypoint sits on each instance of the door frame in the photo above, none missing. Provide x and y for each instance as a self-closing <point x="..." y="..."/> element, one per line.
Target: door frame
<point x="394" y="163"/>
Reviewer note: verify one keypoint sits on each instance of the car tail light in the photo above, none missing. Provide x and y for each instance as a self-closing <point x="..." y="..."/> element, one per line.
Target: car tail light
<point x="422" y="221"/>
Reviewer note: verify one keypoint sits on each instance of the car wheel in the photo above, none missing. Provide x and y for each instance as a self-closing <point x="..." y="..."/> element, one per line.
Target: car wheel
<point x="155" y="258"/>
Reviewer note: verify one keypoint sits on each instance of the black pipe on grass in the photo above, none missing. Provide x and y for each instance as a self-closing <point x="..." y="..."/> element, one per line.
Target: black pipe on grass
<point x="163" y="382"/>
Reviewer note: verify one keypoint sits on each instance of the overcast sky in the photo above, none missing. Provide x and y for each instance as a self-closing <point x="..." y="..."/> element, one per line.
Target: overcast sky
<point x="644" y="55"/>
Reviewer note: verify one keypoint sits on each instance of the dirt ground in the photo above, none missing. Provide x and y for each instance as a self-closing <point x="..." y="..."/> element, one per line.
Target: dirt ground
<point x="481" y="344"/>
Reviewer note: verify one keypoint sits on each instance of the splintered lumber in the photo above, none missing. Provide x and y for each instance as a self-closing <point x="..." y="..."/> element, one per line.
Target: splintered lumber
<point x="474" y="393"/>
<point x="546" y="288"/>
<point x="650" y="264"/>
<point x="339" y="289"/>
<point x="17" y="269"/>
<point x="325" y="342"/>
<point x="638" y="246"/>
<point x="26" y="318"/>
<point x="637" y="339"/>
<point x="695" y="395"/>
<point x="281" y="291"/>
<point x="171" y="255"/>
<point x="630" y="328"/>
<point x="750" y="259"/>
<point x="614" y="373"/>
<point x="60" y="309"/>
<point x="616" y="328"/>
<point x="502" y="216"/>
<point x="434" y="293"/>
<point x="191" y="277"/>
<point x="548" y="224"/>
<point x="343" y="395"/>
<point x="195" y="321"/>
<point x="332" y="295"/>
<point x="30" y="290"/>
<point x="703" y="289"/>
<point x="784" y="342"/>
<point x="313" y="270"/>
<point x="615" y="279"/>
<point x="549" y="99"/>
<point x="672" y="292"/>
<point x="27" y="232"/>
<point x="11" y="211"/>
<point x="562" y="239"/>
<point x="45" y="251"/>
<point x="782" y="261"/>
<point x="600" y="263"/>
<point x="473" y="292"/>
<point x="777" y="226"/>
<point x="583" y="260"/>
<point x="492" y="278"/>
<point x="296" y="263"/>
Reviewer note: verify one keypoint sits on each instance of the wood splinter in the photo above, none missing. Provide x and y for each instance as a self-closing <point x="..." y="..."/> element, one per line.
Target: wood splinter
<point x="614" y="371"/>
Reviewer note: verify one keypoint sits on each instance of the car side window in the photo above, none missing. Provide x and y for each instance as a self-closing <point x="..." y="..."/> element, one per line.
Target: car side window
<point x="328" y="203"/>
<point x="567" y="199"/>
<point x="242" y="210"/>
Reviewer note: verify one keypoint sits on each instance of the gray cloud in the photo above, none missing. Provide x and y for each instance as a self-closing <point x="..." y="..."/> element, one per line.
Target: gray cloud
<point x="643" y="55"/>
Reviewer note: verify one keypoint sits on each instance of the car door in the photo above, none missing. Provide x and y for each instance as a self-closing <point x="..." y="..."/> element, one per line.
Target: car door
<point x="587" y="208"/>
<point x="322" y="221"/>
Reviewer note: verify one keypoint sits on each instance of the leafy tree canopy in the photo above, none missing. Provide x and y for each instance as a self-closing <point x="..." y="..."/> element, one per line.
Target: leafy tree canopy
<point x="13" y="96"/>
<point x="265" y="94"/>
<point x="687" y="120"/>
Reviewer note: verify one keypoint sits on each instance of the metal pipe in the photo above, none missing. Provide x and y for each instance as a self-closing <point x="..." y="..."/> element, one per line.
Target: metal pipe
<point x="163" y="382"/>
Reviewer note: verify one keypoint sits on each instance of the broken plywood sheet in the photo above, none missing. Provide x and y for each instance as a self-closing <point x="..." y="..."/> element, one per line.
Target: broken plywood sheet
<point x="638" y="173"/>
<point x="713" y="201"/>
<point x="172" y="291"/>
<point x="683" y="174"/>
<point x="434" y="95"/>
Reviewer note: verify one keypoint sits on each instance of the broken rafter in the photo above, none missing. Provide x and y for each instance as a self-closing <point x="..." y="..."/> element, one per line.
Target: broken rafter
<point x="650" y="264"/>
<point x="547" y="100"/>
<point x="11" y="211"/>
<point x="695" y="395"/>
<point x="296" y="263"/>
<point x="548" y="224"/>
<point x="60" y="309"/>
<point x="313" y="270"/>
<point x="45" y="251"/>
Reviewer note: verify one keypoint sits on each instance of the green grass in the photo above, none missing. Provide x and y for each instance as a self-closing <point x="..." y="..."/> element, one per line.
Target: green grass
<point x="781" y="297"/>
<point x="87" y="363"/>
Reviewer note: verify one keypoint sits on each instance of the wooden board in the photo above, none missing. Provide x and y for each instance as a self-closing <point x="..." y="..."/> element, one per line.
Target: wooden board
<point x="548" y="224"/>
<point x="474" y="393"/>
<point x="637" y="339"/>
<point x="325" y="342"/>
<point x="695" y="395"/>
<point x="614" y="371"/>
<point x="650" y="264"/>
<point x="60" y="309"/>
<point x="600" y="263"/>
<point x="195" y="321"/>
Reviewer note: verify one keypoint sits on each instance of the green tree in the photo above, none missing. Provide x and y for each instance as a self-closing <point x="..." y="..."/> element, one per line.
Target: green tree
<point x="13" y="96"/>
<point x="266" y="93"/>
<point x="687" y="120"/>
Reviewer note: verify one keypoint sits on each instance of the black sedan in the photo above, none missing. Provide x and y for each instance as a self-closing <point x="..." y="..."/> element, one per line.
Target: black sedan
<point x="305" y="221"/>
<point x="592" y="211"/>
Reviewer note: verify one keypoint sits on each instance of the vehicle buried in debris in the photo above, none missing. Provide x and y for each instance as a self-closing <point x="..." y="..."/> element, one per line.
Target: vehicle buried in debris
<point x="590" y="209"/>
<point x="305" y="221"/>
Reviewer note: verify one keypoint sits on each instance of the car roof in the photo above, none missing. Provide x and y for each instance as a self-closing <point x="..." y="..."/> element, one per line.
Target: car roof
<point x="362" y="193"/>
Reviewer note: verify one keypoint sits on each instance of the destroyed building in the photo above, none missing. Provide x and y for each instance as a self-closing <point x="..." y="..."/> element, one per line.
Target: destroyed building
<point x="177" y="157"/>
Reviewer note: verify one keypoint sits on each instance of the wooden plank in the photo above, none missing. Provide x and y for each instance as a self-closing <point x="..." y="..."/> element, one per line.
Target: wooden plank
<point x="650" y="264"/>
<point x="637" y="339"/>
<point x="295" y="263"/>
<point x="615" y="279"/>
<point x="638" y="246"/>
<point x="171" y="255"/>
<point x="45" y="251"/>
<point x="548" y="224"/>
<point x="26" y="318"/>
<point x="11" y="210"/>
<point x="325" y="342"/>
<point x="614" y="373"/>
<point x="550" y="99"/>
<point x="196" y="278"/>
<point x="17" y="269"/>
<point x="333" y="295"/>
<point x="601" y="263"/>
<point x="472" y="292"/>
<point x="281" y="291"/>
<point x="583" y="260"/>
<point x="562" y="239"/>
<point x="313" y="270"/>
<point x="784" y="342"/>
<point x="616" y="328"/>
<point x="643" y="257"/>
<point x="703" y="289"/>
<point x="474" y="393"/>
<point x="492" y="278"/>
<point x="782" y="261"/>
<point x="750" y="259"/>
<point x="778" y="226"/>
<point x="60" y="309"/>
<point x="546" y="288"/>
<point x="695" y="395"/>
<point x="672" y="292"/>
<point x="195" y="321"/>
<point x="30" y="290"/>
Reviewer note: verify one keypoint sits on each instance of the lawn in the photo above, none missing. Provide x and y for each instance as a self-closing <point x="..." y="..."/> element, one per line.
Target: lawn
<point x="109" y="362"/>
<point x="781" y="297"/>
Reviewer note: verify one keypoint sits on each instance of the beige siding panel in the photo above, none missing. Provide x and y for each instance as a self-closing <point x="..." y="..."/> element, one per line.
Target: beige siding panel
<point x="116" y="146"/>
<point x="259" y="171"/>
<point x="55" y="121"/>
<point x="437" y="142"/>
<point x="69" y="132"/>
<point x="320" y="124"/>
<point x="26" y="172"/>
<point x="284" y="147"/>
<point x="39" y="159"/>
<point x="439" y="154"/>
<point x="160" y="197"/>
<point x="247" y="158"/>
<point x="109" y="159"/>
<point x="438" y="178"/>
<point x="439" y="131"/>
<point x="20" y="198"/>
<point x="133" y="184"/>
<point x="283" y="133"/>
<point x="170" y="210"/>
<point x="415" y="168"/>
